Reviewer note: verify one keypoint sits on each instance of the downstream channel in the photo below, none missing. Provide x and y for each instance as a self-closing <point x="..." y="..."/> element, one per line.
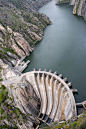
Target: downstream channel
<point x="63" y="48"/>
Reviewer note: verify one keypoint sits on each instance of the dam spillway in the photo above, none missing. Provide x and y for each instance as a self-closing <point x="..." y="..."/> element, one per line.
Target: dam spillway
<point x="57" y="100"/>
<point x="63" y="47"/>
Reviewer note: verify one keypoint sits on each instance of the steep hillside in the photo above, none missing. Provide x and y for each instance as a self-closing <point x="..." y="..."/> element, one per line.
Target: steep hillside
<point x="74" y="123"/>
<point x="21" y="26"/>
<point x="30" y="5"/>
<point x="19" y="105"/>
<point x="80" y="8"/>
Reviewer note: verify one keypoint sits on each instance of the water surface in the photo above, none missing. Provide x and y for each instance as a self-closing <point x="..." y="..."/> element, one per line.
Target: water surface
<point x="63" y="48"/>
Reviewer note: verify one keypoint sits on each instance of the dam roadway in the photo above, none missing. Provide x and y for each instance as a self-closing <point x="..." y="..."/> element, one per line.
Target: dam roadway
<point x="63" y="48"/>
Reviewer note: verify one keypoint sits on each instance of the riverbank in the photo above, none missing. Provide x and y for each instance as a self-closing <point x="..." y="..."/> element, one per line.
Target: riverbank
<point x="20" y="28"/>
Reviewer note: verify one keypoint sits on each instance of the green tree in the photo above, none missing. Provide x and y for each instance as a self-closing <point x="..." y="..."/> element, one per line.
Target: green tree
<point x="2" y="87"/>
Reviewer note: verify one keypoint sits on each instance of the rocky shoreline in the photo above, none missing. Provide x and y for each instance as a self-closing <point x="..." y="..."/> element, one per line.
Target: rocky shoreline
<point x="19" y="108"/>
<point x="20" y="28"/>
<point x="79" y="6"/>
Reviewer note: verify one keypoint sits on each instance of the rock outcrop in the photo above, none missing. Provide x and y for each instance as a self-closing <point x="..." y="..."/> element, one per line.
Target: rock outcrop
<point x="21" y="95"/>
<point x="21" y="26"/>
<point x="79" y="6"/>
<point x="22" y="43"/>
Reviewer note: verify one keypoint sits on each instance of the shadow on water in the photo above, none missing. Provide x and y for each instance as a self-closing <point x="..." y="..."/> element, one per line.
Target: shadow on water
<point x="79" y="18"/>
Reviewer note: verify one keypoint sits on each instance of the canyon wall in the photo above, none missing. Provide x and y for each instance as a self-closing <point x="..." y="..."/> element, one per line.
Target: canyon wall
<point x="21" y="26"/>
<point x="79" y="6"/>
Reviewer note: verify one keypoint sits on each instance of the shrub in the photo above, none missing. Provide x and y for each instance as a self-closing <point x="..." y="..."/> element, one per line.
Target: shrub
<point x="6" y="115"/>
<point x="83" y="126"/>
<point x="5" y="126"/>
<point x="10" y="98"/>
<point x="17" y="109"/>
<point x="73" y="125"/>
<point x="12" y="111"/>
<point x="3" y="94"/>
<point x="84" y="112"/>
<point x="2" y="98"/>
<point x="15" y="127"/>
<point x="1" y="79"/>
<point x="1" y="111"/>
<point x="9" y="107"/>
<point x="2" y="87"/>
<point x="6" y="93"/>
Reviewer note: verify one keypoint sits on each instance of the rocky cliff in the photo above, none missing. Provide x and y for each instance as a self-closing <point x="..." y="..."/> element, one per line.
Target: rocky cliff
<point x="79" y="6"/>
<point x="19" y="104"/>
<point x="21" y="26"/>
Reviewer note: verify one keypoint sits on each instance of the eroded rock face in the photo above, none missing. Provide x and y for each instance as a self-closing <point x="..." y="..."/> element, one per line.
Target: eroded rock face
<point x="22" y="95"/>
<point x="19" y="29"/>
<point x="26" y="49"/>
<point x="22" y="43"/>
<point x="3" y="65"/>
<point x="9" y="30"/>
<point x="16" y="48"/>
<point x="79" y="6"/>
<point x="7" y="71"/>
<point x="34" y="35"/>
<point x="2" y="29"/>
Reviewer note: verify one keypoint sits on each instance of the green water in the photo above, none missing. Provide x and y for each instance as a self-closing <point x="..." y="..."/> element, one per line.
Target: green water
<point x="63" y="48"/>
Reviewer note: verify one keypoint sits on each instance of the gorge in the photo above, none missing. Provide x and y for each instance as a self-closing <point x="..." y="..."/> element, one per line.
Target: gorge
<point x="62" y="48"/>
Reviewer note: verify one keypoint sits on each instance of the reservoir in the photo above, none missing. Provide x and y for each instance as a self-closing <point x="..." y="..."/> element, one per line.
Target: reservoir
<point x="63" y="48"/>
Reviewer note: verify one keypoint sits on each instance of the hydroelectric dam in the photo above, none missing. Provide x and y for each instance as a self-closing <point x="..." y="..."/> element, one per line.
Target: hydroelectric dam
<point x="57" y="100"/>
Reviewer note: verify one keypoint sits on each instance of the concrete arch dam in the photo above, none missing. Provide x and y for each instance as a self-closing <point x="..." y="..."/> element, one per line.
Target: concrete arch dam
<point x="57" y="100"/>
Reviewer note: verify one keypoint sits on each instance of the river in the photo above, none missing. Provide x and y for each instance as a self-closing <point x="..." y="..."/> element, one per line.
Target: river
<point x="63" y="48"/>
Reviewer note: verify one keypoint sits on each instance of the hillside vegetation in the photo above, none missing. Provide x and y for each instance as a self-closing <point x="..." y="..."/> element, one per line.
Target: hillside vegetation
<point x="21" y="26"/>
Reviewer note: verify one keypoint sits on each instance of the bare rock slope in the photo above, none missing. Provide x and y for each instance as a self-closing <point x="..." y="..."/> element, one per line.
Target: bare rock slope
<point x="79" y="6"/>
<point x="19" y="104"/>
<point x="21" y="26"/>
